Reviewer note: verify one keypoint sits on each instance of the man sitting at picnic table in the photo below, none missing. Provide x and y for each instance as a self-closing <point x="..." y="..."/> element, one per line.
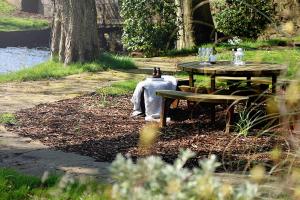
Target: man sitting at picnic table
<point x="145" y="95"/>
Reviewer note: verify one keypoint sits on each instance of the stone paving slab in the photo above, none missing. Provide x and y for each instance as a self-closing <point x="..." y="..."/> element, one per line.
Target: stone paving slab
<point x="34" y="158"/>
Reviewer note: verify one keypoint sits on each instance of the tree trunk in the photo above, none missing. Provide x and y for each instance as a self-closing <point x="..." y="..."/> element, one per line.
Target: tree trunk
<point x="195" y="23"/>
<point x="74" y="32"/>
<point x="204" y="28"/>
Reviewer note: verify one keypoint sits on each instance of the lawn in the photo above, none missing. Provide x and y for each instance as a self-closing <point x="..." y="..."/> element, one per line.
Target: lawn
<point x="6" y="8"/>
<point x="10" y="22"/>
<point x="16" y="186"/>
<point x="54" y="69"/>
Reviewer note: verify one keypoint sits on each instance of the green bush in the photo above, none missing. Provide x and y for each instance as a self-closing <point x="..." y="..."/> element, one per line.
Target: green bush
<point x="244" y="18"/>
<point x="149" y="25"/>
<point x="152" y="178"/>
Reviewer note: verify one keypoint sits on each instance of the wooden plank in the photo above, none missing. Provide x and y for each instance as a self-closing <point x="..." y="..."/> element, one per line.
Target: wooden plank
<point x="207" y="98"/>
<point x="264" y="80"/>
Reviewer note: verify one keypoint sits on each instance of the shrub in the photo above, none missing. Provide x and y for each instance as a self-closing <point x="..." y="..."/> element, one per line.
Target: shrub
<point x="149" y="25"/>
<point x="8" y="118"/>
<point x="244" y="18"/>
<point x="151" y="178"/>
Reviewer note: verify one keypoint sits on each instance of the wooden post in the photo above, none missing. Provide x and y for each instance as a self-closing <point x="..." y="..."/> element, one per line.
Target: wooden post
<point x="213" y="113"/>
<point x="249" y="81"/>
<point x="191" y="79"/>
<point x="274" y="81"/>
<point x="229" y="118"/>
<point x="163" y="112"/>
<point x="212" y="83"/>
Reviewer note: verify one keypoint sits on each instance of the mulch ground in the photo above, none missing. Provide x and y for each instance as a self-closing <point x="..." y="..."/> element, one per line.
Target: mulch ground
<point x="101" y="129"/>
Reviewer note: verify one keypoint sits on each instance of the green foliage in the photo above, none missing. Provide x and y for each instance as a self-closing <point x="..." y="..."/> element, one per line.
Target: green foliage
<point x="7" y="118"/>
<point x="54" y="69"/>
<point x="248" y="119"/>
<point x="152" y="178"/>
<point x="244" y="18"/>
<point x="8" y="23"/>
<point x="149" y="25"/>
<point x="5" y="8"/>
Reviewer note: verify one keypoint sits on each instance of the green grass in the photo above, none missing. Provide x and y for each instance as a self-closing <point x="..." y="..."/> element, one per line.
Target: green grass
<point x="289" y="57"/>
<point x="245" y="44"/>
<point x="7" y="118"/>
<point x="9" y="23"/>
<point x="16" y="186"/>
<point x="6" y="8"/>
<point x="118" y="88"/>
<point x="54" y="69"/>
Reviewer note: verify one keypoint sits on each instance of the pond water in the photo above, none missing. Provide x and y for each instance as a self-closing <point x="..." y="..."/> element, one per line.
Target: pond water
<point x="15" y="58"/>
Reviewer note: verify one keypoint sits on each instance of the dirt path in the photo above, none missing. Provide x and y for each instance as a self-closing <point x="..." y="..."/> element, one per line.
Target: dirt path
<point x="15" y="96"/>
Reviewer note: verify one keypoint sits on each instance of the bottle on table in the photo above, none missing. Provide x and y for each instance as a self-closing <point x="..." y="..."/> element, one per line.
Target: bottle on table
<point x="154" y="72"/>
<point x="158" y="74"/>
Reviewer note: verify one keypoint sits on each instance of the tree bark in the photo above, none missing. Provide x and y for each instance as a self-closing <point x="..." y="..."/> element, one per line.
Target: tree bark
<point x="204" y="28"/>
<point x="195" y="23"/>
<point x="74" y="31"/>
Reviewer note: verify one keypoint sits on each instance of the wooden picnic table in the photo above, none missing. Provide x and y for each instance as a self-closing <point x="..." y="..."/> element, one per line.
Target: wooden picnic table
<point x="226" y="68"/>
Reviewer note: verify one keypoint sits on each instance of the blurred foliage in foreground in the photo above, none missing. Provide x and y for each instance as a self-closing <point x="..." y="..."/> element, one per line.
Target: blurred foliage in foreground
<point x="149" y="178"/>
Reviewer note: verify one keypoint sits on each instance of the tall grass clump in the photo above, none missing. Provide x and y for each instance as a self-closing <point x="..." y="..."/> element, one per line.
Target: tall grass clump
<point x="55" y="69"/>
<point x="8" y="118"/>
<point x="116" y="61"/>
<point x="16" y="186"/>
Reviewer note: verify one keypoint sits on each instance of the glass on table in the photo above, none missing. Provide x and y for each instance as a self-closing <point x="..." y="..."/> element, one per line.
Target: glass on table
<point x="204" y="54"/>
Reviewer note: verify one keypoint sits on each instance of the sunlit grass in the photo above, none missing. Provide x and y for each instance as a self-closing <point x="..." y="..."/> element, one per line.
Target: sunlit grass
<point x="6" y="8"/>
<point x="9" y="23"/>
<point x="288" y="57"/>
<point x="119" y="88"/>
<point x="16" y="186"/>
<point x="7" y="118"/>
<point x="54" y="69"/>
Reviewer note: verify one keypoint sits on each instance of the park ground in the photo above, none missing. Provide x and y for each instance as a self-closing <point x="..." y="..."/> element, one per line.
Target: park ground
<point x="76" y="119"/>
<point x="75" y="116"/>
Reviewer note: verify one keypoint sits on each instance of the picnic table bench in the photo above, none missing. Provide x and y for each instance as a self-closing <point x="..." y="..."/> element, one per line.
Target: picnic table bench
<point x="230" y="100"/>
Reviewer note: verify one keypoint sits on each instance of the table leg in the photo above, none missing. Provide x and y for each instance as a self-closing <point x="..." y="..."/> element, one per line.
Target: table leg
<point x="248" y="81"/>
<point x="191" y="79"/>
<point x="163" y="112"/>
<point x="274" y="81"/>
<point x="212" y="83"/>
<point x="229" y="118"/>
<point x="213" y="113"/>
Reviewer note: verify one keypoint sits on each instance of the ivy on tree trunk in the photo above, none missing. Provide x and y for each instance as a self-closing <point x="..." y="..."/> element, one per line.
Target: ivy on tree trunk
<point x="74" y="32"/>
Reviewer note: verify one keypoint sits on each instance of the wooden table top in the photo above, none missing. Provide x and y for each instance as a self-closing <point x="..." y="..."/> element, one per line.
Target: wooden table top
<point x="225" y="68"/>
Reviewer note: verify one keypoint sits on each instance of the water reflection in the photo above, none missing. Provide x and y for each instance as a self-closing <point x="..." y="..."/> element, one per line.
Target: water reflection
<point x="15" y="58"/>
